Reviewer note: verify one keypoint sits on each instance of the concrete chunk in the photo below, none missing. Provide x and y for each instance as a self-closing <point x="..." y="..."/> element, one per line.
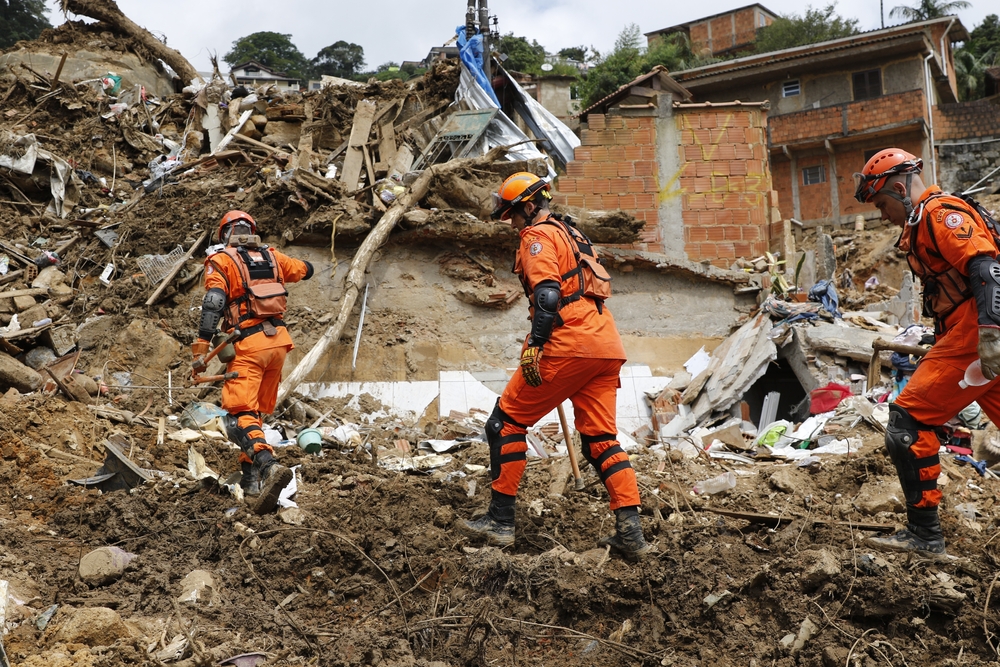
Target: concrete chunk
<point x="104" y="565"/>
<point x="821" y="566"/>
<point x="23" y="303"/>
<point x="15" y="374"/>
<point x="874" y="498"/>
<point x="198" y="587"/>
<point x="93" y="626"/>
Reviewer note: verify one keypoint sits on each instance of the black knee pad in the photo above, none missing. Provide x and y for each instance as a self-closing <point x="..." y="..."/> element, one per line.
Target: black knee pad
<point x="589" y="441"/>
<point x="900" y="435"/>
<point x="494" y="425"/>
<point x="240" y="436"/>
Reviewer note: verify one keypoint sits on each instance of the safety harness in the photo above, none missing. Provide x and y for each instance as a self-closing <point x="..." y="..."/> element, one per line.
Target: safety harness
<point x="593" y="280"/>
<point x="264" y="295"/>
<point x="944" y="291"/>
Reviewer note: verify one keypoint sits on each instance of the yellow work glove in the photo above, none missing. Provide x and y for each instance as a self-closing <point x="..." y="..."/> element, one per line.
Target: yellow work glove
<point x="529" y="366"/>
<point x="199" y="348"/>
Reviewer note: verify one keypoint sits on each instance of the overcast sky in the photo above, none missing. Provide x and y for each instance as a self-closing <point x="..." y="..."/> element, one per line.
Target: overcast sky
<point x="407" y="29"/>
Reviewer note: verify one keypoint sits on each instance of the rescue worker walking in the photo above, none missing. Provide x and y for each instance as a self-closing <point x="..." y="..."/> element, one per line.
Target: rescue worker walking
<point x="245" y="290"/>
<point x="572" y="351"/>
<point x="951" y="247"/>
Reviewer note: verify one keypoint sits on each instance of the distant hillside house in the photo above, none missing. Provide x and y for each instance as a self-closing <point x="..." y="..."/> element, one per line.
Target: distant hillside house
<point x="721" y="34"/>
<point x="252" y="73"/>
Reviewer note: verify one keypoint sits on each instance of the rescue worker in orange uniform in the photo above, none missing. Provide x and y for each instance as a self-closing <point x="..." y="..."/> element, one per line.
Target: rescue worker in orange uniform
<point x="572" y="351"/>
<point x="950" y="246"/>
<point x="245" y="283"/>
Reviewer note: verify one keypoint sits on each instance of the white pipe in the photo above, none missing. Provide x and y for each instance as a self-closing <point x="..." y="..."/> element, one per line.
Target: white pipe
<point x="944" y="61"/>
<point x="930" y="115"/>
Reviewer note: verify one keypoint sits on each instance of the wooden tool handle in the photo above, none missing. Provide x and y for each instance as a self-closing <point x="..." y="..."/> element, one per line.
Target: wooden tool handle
<point x="569" y="444"/>
<point x="880" y="344"/>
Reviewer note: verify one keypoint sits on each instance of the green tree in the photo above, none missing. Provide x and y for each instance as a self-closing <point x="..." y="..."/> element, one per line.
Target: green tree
<point x="630" y="59"/>
<point x="985" y="39"/>
<point x="970" y="72"/>
<point x="343" y="59"/>
<point x="817" y="25"/>
<point x="21" y="19"/>
<point x="928" y="9"/>
<point x="522" y="55"/>
<point x="271" y="49"/>
<point x="574" y="53"/>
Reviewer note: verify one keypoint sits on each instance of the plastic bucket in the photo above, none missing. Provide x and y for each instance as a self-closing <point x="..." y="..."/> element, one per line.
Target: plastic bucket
<point x="310" y="440"/>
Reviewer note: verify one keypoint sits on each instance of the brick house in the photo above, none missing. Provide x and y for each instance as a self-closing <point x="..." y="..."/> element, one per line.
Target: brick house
<point x="834" y="104"/>
<point x="696" y="174"/>
<point x="720" y="34"/>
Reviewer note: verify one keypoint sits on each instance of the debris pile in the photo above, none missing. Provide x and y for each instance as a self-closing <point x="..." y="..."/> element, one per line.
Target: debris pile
<point x="126" y="542"/>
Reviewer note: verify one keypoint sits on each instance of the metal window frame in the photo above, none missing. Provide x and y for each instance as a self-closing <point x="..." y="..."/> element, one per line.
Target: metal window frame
<point x="798" y="88"/>
<point x="822" y="174"/>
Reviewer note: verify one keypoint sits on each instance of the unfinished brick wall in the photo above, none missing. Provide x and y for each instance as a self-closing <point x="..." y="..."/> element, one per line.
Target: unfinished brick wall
<point x="967" y="120"/>
<point x="723" y="186"/>
<point x="725" y="182"/>
<point x="616" y="169"/>
<point x="846" y="118"/>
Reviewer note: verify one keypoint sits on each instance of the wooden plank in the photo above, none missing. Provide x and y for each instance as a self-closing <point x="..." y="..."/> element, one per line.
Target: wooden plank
<point x="364" y="115"/>
<point x="401" y="162"/>
<point x="386" y="146"/>
<point x="774" y="520"/>
<point x="173" y="272"/>
<point x="25" y="333"/>
<point x="232" y="131"/>
<point x="31" y="291"/>
<point x="303" y="157"/>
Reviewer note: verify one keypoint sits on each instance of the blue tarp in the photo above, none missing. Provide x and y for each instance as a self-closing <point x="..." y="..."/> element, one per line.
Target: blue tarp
<point x="825" y="293"/>
<point x="470" y="51"/>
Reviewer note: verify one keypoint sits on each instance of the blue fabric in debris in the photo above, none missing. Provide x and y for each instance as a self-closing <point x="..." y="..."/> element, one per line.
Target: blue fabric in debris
<point x="801" y="317"/>
<point x="903" y="362"/>
<point x="470" y="52"/>
<point x="825" y="293"/>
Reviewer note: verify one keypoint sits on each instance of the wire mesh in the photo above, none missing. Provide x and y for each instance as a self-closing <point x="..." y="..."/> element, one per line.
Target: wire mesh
<point x="156" y="267"/>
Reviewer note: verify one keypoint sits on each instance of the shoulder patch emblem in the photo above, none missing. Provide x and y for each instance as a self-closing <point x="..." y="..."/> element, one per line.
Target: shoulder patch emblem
<point x="954" y="220"/>
<point x="534" y="248"/>
<point x="209" y="270"/>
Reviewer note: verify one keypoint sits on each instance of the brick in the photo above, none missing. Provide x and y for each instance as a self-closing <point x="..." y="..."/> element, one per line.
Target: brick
<point x="725" y="250"/>
<point x="635" y="152"/>
<point x="616" y="153"/>
<point x="756" y="216"/>
<point x="733" y="200"/>
<point x="614" y="122"/>
<point x="632" y="123"/>
<point x="725" y="217"/>
<point x="626" y="201"/>
<point x="692" y="153"/>
<point x="708" y="218"/>
<point x="695" y="234"/>
<point x="702" y="168"/>
<point x="626" y="137"/>
<point x="593" y="201"/>
<point x="626" y="169"/>
<point x="650" y="184"/>
<point x="585" y="186"/>
<point x="704" y="136"/>
<point x="591" y="169"/>
<point x="743" y="152"/>
<point x="645" y="168"/>
<point x="755" y="168"/>
<point x="741" y="217"/>
<point x="609" y="169"/>
<point x="646" y="122"/>
<point x="743" y="249"/>
<point x="754" y="183"/>
<point x="584" y="153"/>
<point x="566" y="184"/>
<point x="723" y="152"/>
<point x="716" y="233"/>
<point x="737" y="168"/>
<point x="737" y="183"/>
<point x="619" y="185"/>
<point x="610" y="202"/>
<point x="595" y="121"/>
<point x="561" y="199"/>
<point x="708" y="119"/>
<point x="732" y="232"/>
<point x="602" y="186"/>
<point x="590" y="138"/>
<point x="720" y="183"/>
<point x="751" y="233"/>
<point x="636" y="185"/>
<point x="645" y="200"/>
<point x="576" y="200"/>
<point x="736" y="135"/>
<point x="719" y="168"/>
<point x="686" y="183"/>
<point x="574" y="168"/>
<point x="600" y="153"/>
<point x="653" y="218"/>
<point x="693" y="202"/>
<point x="647" y="153"/>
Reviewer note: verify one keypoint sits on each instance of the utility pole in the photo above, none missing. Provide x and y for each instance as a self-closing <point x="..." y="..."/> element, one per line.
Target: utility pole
<point x="470" y="19"/>
<point x="881" y="12"/>
<point x="484" y="29"/>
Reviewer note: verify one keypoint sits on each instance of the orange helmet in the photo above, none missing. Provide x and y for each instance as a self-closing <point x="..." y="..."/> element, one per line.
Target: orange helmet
<point x="231" y="218"/>
<point x="880" y="167"/>
<point x="517" y="189"/>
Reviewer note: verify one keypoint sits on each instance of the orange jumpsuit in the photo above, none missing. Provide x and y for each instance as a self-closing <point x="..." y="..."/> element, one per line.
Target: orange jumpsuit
<point x="939" y="246"/>
<point x="580" y="361"/>
<point x="259" y="357"/>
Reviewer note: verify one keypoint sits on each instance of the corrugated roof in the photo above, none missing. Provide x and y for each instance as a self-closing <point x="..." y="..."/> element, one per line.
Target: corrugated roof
<point x="665" y="79"/>
<point x="957" y="33"/>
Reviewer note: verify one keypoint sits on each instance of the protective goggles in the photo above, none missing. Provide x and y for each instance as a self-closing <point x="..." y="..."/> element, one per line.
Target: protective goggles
<point x="239" y="228"/>
<point x="869" y="185"/>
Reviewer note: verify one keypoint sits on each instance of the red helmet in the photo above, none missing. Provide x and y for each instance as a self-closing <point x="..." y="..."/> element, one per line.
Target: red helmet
<point x="518" y="188"/>
<point x="880" y="167"/>
<point x="232" y="218"/>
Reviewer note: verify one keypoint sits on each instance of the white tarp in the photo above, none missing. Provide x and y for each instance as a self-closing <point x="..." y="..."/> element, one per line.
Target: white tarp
<point x="22" y="155"/>
<point x="562" y="139"/>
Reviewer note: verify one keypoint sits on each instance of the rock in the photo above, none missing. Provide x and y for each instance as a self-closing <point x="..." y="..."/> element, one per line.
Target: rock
<point x="93" y="626"/>
<point x="820" y="567"/>
<point x="23" y="303"/>
<point x="104" y="565"/>
<point x="15" y="374"/>
<point x="153" y="346"/>
<point x="835" y="656"/>
<point x="680" y="381"/>
<point x="292" y="516"/>
<point x="93" y="332"/>
<point x="806" y="632"/>
<point x="280" y="133"/>
<point x="28" y="317"/>
<point x="39" y="357"/>
<point x="785" y="479"/>
<point x="50" y="276"/>
<point x="875" y="497"/>
<point x="198" y="587"/>
<point x="60" y="291"/>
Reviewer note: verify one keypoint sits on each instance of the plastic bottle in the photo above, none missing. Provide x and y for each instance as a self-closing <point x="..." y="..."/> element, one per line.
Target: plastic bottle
<point x="973" y="376"/>
<point x="723" y="482"/>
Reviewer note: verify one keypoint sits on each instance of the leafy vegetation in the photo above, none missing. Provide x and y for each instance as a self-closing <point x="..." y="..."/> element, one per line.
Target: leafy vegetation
<point x="21" y="19"/>
<point x="816" y="25"/>
<point x="271" y="49"/>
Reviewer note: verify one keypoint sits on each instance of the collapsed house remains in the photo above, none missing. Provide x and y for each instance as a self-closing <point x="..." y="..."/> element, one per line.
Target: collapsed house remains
<point x="752" y="405"/>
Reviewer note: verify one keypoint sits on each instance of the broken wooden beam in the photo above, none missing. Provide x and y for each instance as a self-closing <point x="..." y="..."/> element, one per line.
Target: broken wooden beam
<point x="774" y="520"/>
<point x="364" y="115"/>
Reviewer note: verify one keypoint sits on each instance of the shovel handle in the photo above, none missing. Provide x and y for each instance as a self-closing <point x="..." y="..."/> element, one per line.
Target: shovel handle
<point x="577" y="479"/>
<point x="199" y="379"/>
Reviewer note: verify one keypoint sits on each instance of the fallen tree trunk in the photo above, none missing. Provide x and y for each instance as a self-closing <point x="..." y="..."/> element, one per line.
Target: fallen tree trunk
<point x="356" y="274"/>
<point x="108" y="12"/>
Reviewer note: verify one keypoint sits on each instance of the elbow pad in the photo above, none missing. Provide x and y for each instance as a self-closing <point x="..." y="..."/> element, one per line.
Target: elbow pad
<point x="309" y="271"/>
<point x="546" y="301"/>
<point x="211" y="312"/>
<point x="984" y="281"/>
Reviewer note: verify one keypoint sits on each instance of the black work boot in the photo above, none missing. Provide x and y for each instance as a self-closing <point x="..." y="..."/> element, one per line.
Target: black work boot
<point x="497" y="525"/>
<point x="272" y="478"/>
<point x="922" y="534"/>
<point x="628" y="539"/>
<point x="249" y="480"/>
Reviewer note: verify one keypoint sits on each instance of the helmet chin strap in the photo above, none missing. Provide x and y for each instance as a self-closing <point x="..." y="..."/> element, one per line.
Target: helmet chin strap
<point x="905" y="201"/>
